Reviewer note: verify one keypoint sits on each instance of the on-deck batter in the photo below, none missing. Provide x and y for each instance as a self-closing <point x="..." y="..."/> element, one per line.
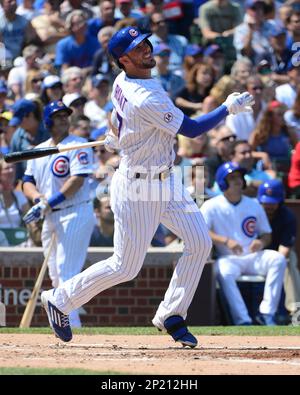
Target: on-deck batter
<point x="60" y="183"/>
<point x="145" y="192"/>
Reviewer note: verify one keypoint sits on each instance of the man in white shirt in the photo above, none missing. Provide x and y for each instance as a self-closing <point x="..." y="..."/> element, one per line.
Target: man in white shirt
<point x="240" y="231"/>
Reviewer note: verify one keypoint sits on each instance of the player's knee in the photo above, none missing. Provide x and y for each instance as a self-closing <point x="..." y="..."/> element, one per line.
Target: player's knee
<point x="201" y="243"/>
<point x="276" y="259"/>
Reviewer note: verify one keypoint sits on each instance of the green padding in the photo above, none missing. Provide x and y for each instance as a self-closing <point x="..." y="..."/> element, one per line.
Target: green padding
<point x="15" y="236"/>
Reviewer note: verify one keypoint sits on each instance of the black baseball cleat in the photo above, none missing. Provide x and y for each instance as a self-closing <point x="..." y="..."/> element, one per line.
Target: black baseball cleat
<point x="176" y="327"/>
<point x="59" y="321"/>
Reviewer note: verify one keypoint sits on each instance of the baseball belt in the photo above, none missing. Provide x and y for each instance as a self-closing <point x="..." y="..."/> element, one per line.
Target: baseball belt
<point x="158" y="176"/>
<point x="72" y="205"/>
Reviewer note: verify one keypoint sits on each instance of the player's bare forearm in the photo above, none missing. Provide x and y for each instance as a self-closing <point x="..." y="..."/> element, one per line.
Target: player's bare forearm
<point x="262" y="242"/>
<point x="219" y="239"/>
<point x="31" y="191"/>
<point x="233" y="245"/>
<point x="71" y="186"/>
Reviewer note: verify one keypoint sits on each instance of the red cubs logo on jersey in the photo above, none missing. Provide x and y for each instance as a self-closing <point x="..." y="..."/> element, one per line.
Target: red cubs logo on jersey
<point x="83" y="158"/>
<point x="249" y="226"/>
<point x="168" y="117"/>
<point x="60" y="166"/>
<point x="133" y="32"/>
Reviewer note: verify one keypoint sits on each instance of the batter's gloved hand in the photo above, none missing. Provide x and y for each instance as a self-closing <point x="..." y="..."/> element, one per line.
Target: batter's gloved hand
<point x="36" y="212"/>
<point x="239" y="102"/>
<point x="111" y="143"/>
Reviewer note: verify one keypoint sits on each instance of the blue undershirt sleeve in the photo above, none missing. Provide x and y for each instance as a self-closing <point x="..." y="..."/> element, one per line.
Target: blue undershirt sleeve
<point x="194" y="127"/>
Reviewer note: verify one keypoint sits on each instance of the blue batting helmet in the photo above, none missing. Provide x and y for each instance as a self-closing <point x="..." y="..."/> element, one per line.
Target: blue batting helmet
<point x="271" y="191"/>
<point x="224" y="170"/>
<point x="53" y="108"/>
<point x="125" y="40"/>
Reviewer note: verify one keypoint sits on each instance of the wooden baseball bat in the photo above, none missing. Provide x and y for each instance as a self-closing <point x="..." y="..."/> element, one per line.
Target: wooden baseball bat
<point x="30" y="307"/>
<point x="35" y="153"/>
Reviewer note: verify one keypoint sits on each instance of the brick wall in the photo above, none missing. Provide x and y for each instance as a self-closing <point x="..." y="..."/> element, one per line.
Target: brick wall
<point x="133" y="303"/>
<point x="129" y="304"/>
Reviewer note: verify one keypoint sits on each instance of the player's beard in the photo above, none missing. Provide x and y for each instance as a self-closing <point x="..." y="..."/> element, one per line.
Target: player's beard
<point x="143" y="63"/>
<point x="149" y="63"/>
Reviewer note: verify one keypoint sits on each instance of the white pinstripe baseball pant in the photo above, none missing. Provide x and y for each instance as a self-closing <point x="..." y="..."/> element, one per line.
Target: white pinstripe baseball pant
<point x="135" y="225"/>
<point x="73" y="228"/>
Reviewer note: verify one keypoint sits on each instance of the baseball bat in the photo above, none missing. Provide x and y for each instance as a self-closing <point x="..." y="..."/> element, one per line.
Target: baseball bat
<point x="30" y="307"/>
<point x="35" y="153"/>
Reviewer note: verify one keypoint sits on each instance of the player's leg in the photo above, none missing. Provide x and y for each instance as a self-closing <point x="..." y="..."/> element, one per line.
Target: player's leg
<point x="73" y="231"/>
<point x="229" y="268"/>
<point x="184" y="219"/>
<point x="135" y="225"/>
<point x="271" y="264"/>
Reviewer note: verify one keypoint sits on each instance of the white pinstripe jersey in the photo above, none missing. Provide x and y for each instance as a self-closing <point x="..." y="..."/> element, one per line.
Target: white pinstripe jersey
<point x="51" y="172"/>
<point x="242" y="222"/>
<point x="148" y="122"/>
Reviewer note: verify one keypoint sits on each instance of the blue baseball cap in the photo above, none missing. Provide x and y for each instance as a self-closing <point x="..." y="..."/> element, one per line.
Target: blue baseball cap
<point x="161" y="48"/>
<point x="212" y="49"/>
<point x="20" y="109"/>
<point x="253" y="3"/>
<point x="124" y="40"/>
<point x="3" y="87"/>
<point x="193" y="50"/>
<point x="97" y="79"/>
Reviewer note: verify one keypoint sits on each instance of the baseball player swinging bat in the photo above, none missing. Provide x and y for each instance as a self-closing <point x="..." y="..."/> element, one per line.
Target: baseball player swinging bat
<point x="35" y="153"/>
<point x="30" y="307"/>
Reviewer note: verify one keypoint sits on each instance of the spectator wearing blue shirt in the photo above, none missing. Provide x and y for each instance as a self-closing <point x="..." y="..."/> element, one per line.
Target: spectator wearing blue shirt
<point x="15" y="30"/>
<point x="106" y="17"/>
<point x="30" y="131"/>
<point x="79" y="47"/>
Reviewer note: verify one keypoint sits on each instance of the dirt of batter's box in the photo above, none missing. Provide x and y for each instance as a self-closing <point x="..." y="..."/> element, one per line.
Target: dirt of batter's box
<point x="155" y="354"/>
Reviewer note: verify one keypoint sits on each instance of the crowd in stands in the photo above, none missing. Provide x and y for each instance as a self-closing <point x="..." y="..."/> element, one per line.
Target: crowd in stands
<point x="204" y="50"/>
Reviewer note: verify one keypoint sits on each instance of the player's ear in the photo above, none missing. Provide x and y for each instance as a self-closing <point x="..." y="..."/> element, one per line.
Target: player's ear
<point x="123" y="61"/>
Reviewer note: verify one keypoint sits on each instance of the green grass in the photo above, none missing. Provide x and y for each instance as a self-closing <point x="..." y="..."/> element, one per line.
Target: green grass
<point x="197" y="330"/>
<point x="51" y="371"/>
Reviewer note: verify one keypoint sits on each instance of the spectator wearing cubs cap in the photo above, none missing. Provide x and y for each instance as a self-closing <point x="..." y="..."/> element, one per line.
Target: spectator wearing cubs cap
<point x="283" y="222"/>
<point x="214" y="55"/>
<point x="171" y="82"/>
<point x="29" y="132"/>
<point x="193" y="54"/>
